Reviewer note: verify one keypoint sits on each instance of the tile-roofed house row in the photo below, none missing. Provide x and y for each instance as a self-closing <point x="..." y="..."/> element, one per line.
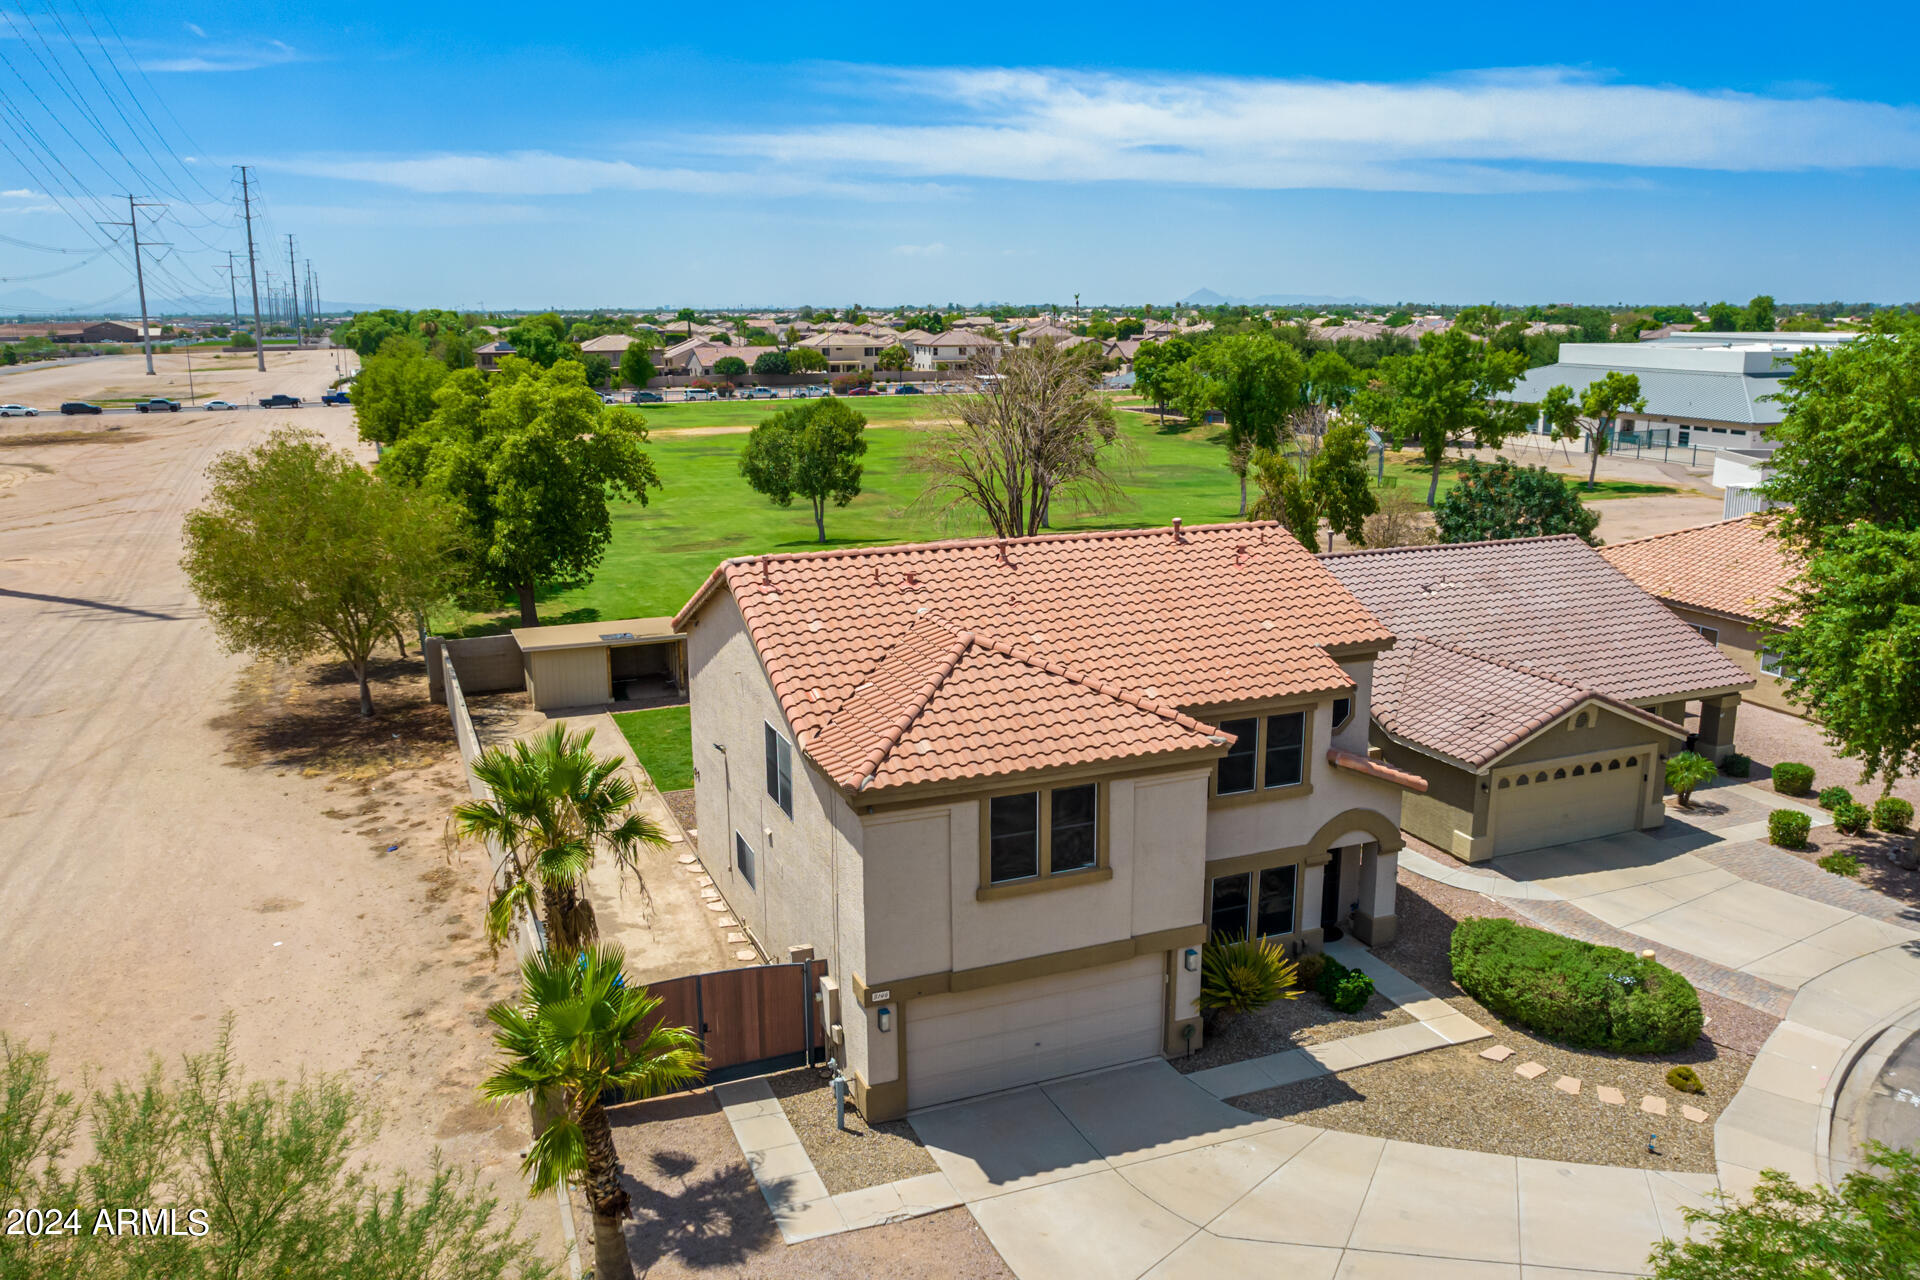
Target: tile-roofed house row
<point x="1732" y="567"/>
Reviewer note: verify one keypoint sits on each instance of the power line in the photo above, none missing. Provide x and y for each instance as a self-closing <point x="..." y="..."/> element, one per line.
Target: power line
<point x="259" y="345"/>
<point x="139" y="274"/>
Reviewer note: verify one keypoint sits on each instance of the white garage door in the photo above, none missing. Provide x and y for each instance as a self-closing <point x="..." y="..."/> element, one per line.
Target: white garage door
<point x="976" y="1042"/>
<point x="1560" y="803"/>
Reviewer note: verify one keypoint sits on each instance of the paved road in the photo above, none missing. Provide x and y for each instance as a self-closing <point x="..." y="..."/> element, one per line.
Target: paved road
<point x="1892" y="1112"/>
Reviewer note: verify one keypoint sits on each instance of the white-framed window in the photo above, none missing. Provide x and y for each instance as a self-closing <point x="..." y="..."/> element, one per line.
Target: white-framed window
<point x="1709" y="634"/>
<point x="1773" y="665"/>
<point x="743" y="858"/>
<point x="1342" y="712"/>
<point x="780" y="770"/>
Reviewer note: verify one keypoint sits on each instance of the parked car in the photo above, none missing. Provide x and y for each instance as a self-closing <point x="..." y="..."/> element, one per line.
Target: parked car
<point x="219" y="404"/>
<point x="907" y="389"/>
<point x="18" y="411"/>
<point x="863" y="391"/>
<point x="335" y="397"/>
<point x="647" y="397"/>
<point x="813" y="391"/>
<point x="159" y="404"/>
<point x="761" y="393"/>
<point x="280" y="400"/>
<point x="700" y="393"/>
<point x="72" y="407"/>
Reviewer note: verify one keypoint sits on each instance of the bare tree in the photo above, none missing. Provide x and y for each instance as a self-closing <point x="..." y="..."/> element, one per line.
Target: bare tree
<point x="1399" y="521"/>
<point x="1034" y="429"/>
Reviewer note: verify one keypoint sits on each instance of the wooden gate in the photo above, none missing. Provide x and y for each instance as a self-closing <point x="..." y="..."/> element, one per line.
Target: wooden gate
<point x="751" y="1020"/>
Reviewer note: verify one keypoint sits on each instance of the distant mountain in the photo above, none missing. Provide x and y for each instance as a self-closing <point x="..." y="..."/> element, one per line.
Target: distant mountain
<point x="1208" y="298"/>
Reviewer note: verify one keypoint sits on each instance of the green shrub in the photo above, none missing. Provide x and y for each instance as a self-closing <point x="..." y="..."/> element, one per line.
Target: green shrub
<point x="1309" y="967"/>
<point x="1851" y="819"/>
<point x="1347" y="990"/>
<point x="1841" y="864"/>
<point x="1686" y="771"/>
<point x="1793" y="779"/>
<point x="1576" y="992"/>
<point x="1242" y="976"/>
<point x="1891" y="813"/>
<point x="1736" y="765"/>
<point x="1686" y="1079"/>
<point x="1788" y="828"/>
<point x="1834" y="797"/>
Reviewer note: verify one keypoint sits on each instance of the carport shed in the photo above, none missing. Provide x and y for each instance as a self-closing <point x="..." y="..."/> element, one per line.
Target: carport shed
<point x="584" y="664"/>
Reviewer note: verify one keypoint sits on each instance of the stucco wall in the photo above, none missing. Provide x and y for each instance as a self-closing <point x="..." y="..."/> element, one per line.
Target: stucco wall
<point x="568" y="678"/>
<point x="1292" y="815"/>
<point x="1741" y="645"/>
<point x="1608" y="731"/>
<point x="484" y="664"/>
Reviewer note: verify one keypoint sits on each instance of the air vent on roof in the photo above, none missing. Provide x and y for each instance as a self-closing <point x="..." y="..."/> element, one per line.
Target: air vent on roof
<point x="617" y="635"/>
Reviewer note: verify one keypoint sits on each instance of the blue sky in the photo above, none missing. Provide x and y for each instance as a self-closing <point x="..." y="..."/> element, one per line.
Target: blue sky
<point x="739" y="155"/>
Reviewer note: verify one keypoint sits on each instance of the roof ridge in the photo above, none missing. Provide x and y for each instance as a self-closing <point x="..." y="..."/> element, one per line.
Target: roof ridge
<point x="991" y="540"/>
<point x="904" y="721"/>
<point x="1352" y="552"/>
<point x="1750" y="517"/>
<point x="1507" y="665"/>
<point x="1154" y="706"/>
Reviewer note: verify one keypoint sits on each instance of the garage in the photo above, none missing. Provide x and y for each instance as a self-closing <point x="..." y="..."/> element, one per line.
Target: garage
<point x="974" y="1042"/>
<point x="637" y="661"/>
<point x="1559" y="802"/>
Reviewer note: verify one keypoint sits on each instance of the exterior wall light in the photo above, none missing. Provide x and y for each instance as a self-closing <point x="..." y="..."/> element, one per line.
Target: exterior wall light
<point x="1193" y="959"/>
<point x="886" y="1020"/>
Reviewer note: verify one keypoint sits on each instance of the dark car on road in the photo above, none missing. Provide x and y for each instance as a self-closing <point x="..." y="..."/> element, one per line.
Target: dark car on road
<point x="907" y="389"/>
<point x="335" y="397"/>
<point x="72" y="407"/>
<point x="158" y="405"/>
<point x="647" y="397"/>
<point x="280" y="402"/>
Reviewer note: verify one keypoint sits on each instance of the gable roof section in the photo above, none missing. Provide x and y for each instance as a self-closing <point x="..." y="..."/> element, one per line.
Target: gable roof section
<point x="1450" y="702"/>
<point x="1083" y="647"/>
<point x="1552" y="605"/>
<point x="1733" y="567"/>
<point x="1690" y="394"/>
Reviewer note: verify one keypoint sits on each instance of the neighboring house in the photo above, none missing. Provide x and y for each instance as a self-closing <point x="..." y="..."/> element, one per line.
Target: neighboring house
<point x="1054" y="332"/>
<point x="610" y="345"/>
<point x="1719" y="579"/>
<point x="1008" y="788"/>
<point x="700" y="357"/>
<point x="1703" y="390"/>
<point x="1738" y="474"/>
<point x="487" y="358"/>
<point x="956" y="350"/>
<point x="1536" y="689"/>
<point x="849" y="352"/>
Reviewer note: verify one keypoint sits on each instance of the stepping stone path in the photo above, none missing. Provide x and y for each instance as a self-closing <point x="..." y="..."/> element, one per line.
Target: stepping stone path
<point x="1499" y="1053"/>
<point x="716" y="905"/>
<point x="745" y="955"/>
<point x="1611" y="1096"/>
<point x="1694" y="1114"/>
<point x="1653" y="1106"/>
<point x="687" y="859"/>
<point x="1567" y="1084"/>
<point x="1530" y="1070"/>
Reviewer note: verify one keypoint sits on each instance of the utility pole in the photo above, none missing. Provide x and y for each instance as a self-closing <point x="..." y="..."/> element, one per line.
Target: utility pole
<point x="139" y="270"/>
<point x="233" y="292"/>
<point x="293" y="295"/>
<point x="313" y="308"/>
<point x="259" y="343"/>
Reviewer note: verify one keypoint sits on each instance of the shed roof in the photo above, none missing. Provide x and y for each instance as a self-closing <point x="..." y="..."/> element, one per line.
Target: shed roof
<point x="586" y="635"/>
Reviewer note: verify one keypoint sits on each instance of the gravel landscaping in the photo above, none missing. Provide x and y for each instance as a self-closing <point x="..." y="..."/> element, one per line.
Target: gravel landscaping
<point x="1290" y="1024"/>
<point x="1877" y="869"/>
<point x="680" y="805"/>
<point x="697" y="1212"/>
<point x="861" y="1156"/>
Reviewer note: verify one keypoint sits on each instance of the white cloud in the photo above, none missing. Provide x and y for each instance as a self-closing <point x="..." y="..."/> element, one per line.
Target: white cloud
<point x="270" y="53"/>
<point x="933" y="250"/>
<point x="19" y="193"/>
<point x="196" y="29"/>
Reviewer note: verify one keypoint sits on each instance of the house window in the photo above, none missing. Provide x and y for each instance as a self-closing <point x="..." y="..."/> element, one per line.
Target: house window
<point x="1771" y="663"/>
<point x="1709" y="634"/>
<point x="1235" y="776"/>
<point x="1038" y="835"/>
<point x="780" y="770"/>
<point x="1013" y="839"/>
<point x="1253" y="905"/>
<point x="1342" y="712"/>
<point x="1286" y="749"/>
<point x="1274" y="913"/>
<point x="1074" y="846"/>
<point x="1231" y="897"/>
<point x="743" y="857"/>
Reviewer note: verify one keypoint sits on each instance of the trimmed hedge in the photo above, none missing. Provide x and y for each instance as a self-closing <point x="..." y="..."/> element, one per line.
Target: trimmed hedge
<point x="1347" y="990"/>
<point x="1573" y="991"/>
<point x="1834" y="797"/>
<point x="1793" y="779"/>
<point x="1850" y="819"/>
<point x="1788" y="828"/>
<point x="1891" y="813"/>
<point x="1736" y="765"/>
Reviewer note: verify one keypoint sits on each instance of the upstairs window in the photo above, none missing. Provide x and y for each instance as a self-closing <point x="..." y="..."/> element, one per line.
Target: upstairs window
<point x="1342" y="712"/>
<point x="1235" y="776"/>
<point x="1286" y="749"/>
<point x="1013" y="838"/>
<point x="780" y="770"/>
<point x="743" y="857"/>
<point x="1040" y="835"/>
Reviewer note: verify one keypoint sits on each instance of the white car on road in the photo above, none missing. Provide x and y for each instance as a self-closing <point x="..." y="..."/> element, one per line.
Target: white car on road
<point x="18" y="411"/>
<point x="219" y="404"/>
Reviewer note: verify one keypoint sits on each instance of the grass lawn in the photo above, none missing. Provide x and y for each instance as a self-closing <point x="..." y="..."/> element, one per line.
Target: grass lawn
<point x="704" y="513"/>
<point x="746" y="413"/>
<point x="663" y="739"/>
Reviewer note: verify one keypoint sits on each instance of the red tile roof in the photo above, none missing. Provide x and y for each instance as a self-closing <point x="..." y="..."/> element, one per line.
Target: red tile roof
<point x="1732" y="567"/>
<point x="1552" y="605"/>
<point x="978" y="657"/>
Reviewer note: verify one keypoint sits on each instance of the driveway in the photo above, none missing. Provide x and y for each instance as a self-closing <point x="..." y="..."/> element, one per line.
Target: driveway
<point x="1137" y="1172"/>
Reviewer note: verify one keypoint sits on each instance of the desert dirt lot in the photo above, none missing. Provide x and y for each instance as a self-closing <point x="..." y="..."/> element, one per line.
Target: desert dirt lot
<point x="217" y="375"/>
<point x="177" y="841"/>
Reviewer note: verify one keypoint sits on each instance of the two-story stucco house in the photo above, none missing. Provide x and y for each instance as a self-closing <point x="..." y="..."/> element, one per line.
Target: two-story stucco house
<point x="1006" y="788"/>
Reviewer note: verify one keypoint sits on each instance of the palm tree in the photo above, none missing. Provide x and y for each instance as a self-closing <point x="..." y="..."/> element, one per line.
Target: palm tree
<point x="578" y="1031"/>
<point x="554" y="806"/>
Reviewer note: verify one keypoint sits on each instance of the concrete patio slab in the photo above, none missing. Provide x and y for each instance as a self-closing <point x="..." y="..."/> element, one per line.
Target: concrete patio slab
<point x="1472" y="1218"/>
<point x="1201" y="1185"/>
<point x="1004" y="1143"/>
<point x="1134" y="1113"/>
<point x="1761" y="1130"/>
<point x="1314" y="1198"/>
<point x="1096" y="1226"/>
<point x="1251" y="1076"/>
<point x="1360" y="1265"/>
<point x="1673" y="1192"/>
<point x="1218" y="1259"/>
<point x="1585" y="1216"/>
<point x="1458" y="1028"/>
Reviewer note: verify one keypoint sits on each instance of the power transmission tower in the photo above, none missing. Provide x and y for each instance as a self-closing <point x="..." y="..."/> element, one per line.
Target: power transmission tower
<point x="313" y="308"/>
<point x="259" y="338"/>
<point x="293" y="296"/>
<point x="139" y="270"/>
<point x="233" y="292"/>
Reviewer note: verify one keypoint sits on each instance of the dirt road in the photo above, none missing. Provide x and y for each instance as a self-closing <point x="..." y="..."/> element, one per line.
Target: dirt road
<point x="157" y="874"/>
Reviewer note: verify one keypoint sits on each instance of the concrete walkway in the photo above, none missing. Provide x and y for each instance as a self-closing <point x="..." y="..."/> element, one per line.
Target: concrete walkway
<point x="1437" y="1025"/>
<point x="1137" y="1172"/>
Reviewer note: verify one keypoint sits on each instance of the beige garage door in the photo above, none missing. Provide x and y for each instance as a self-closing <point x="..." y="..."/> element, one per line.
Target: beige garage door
<point x="1560" y="803"/>
<point x="976" y="1042"/>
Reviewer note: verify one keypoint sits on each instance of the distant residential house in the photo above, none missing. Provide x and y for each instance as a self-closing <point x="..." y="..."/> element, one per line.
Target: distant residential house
<point x="487" y="358"/>
<point x="1028" y="337"/>
<point x="610" y="345"/>
<point x="849" y="352"/>
<point x="954" y="350"/>
<point x="702" y="356"/>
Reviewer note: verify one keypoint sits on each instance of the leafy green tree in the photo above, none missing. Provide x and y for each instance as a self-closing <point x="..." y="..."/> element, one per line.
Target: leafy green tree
<point x="1723" y="317"/>
<point x="1505" y="501"/>
<point x="1129" y="327"/>
<point x="541" y="339"/>
<point x="806" y="360"/>
<point x="636" y="367"/>
<point x="1158" y="367"/>
<point x="1255" y="382"/>
<point x="1332" y="485"/>
<point x="1686" y="772"/>
<point x="1443" y="391"/>
<point x="1869" y="1229"/>
<point x="528" y="458"/>
<point x="1593" y="414"/>
<point x="1758" y="316"/>
<point x="300" y="550"/>
<point x="772" y="363"/>
<point x="894" y="358"/>
<point x="729" y="366"/>
<point x="811" y="451"/>
<point x="552" y="808"/>
<point x="599" y="368"/>
<point x="579" y="1032"/>
<point x="278" y="1173"/>
<point x="686" y="316"/>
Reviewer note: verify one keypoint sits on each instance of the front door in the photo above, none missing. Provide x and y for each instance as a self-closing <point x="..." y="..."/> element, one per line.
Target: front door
<point x="1330" y="893"/>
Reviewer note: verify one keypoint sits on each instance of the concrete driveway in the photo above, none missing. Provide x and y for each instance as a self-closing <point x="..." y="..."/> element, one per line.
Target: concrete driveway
<point x="1136" y="1172"/>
